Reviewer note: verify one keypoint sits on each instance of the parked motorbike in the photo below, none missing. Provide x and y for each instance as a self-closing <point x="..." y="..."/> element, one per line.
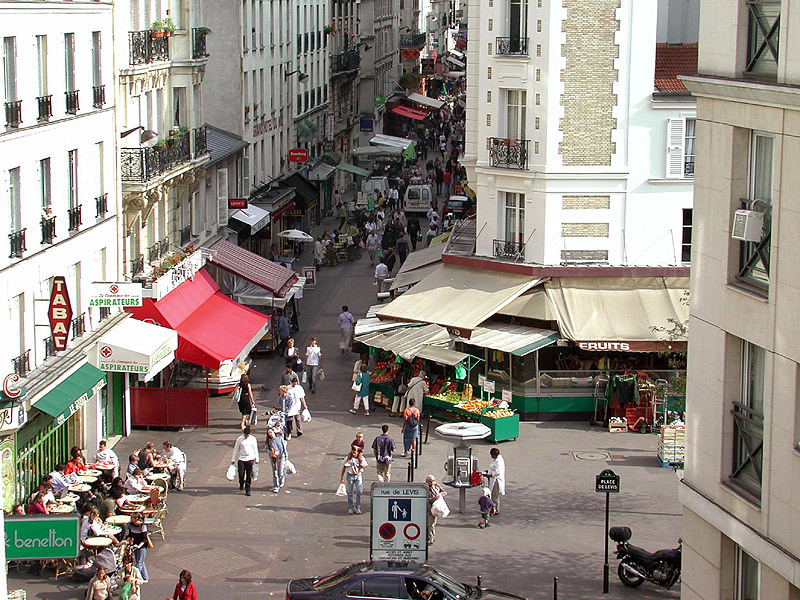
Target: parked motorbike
<point x="637" y="565"/>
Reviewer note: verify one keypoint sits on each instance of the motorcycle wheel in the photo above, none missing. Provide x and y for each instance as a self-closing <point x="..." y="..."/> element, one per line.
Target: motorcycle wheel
<point x="628" y="578"/>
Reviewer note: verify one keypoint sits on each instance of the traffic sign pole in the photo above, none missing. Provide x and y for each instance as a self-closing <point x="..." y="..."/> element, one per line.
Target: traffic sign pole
<point x="606" y="482"/>
<point x="605" y="536"/>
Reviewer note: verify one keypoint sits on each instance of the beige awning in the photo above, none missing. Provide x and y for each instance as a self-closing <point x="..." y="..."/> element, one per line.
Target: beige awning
<point x="457" y="297"/>
<point x="418" y="266"/>
<point x="516" y="339"/>
<point x="406" y="342"/>
<point x="619" y="313"/>
<point x="441" y="355"/>
<point x="531" y="305"/>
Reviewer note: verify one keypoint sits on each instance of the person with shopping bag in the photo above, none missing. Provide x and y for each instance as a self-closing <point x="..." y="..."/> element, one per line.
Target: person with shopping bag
<point x="361" y="388"/>
<point x="313" y="356"/>
<point x="496" y="473"/>
<point x="244" y="397"/>
<point x="276" y="446"/>
<point x="352" y="478"/>
<point x="435" y="494"/>
<point x="245" y="455"/>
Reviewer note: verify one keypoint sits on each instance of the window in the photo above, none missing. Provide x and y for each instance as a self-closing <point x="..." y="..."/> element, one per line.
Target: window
<point x="517" y="20"/>
<point x="686" y="236"/>
<point x="755" y="256"/>
<point x="680" y="148"/>
<point x="16" y="199"/>
<point x="72" y="161"/>
<point x="69" y="61"/>
<point x="179" y="98"/>
<point x="10" y="68"/>
<point x="748" y="421"/>
<point x="514" y="218"/>
<point x="97" y="75"/>
<point x="41" y="56"/>
<point x="747" y="576"/>
<point x="516" y="102"/>
<point x="44" y="181"/>
<point x="763" y="28"/>
<point x="382" y="586"/>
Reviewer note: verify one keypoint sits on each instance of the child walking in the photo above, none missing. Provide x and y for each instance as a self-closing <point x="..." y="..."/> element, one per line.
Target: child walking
<point x="486" y="504"/>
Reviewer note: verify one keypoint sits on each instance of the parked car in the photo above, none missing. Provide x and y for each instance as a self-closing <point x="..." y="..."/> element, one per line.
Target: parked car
<point x="371" y="580"/>
<point x="459" y="206"/>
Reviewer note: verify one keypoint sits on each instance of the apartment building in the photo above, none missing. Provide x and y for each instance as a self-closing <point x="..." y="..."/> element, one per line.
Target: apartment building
<point x="742" y="482"/>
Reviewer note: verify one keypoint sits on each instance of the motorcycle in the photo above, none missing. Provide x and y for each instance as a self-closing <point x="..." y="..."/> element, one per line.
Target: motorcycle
<point x="637" y="565"/>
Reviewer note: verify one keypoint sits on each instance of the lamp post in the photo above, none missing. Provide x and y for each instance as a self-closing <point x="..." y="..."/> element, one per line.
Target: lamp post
<point x="147" y="138"/>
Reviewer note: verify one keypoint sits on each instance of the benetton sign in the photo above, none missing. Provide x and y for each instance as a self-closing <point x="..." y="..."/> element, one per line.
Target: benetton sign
<point x="41" y="537"/>
<point x="59" y="313"/>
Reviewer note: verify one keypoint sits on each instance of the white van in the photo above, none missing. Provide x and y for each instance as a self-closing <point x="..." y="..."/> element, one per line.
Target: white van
<point x="418" y="198"/>
<point x="375" y="184"/>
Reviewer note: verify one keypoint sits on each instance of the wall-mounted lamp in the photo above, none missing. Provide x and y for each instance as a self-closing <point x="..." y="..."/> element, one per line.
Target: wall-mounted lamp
<point x="302" y="77"/>
<point x="148" y="137"/>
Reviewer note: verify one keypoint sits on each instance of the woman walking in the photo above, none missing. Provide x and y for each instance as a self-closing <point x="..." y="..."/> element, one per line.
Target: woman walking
<point x="353" y="480"/>
<point x="99" y="586"/>
<point x="245" y="399"/>
<point x="410" y="429"/>
<point x="361" y="388"/>
<point x="184" y="589"/>
<point x="313" y="355"/>
<point x="276" y="445"/>
<point x="346" y="324"/>
<point x="292" y="354"/>
<point x="140" y="541"/>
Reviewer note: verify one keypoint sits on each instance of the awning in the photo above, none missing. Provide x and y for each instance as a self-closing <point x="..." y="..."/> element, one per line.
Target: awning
<point x="619" y="313"/>
<point x="406" y="342"/>
<point x="456" y="75"/>
<point x="455" y="61"/>
<point x="305" y="193"/>
<point x="281" y="212"/>
<point x="372" y="324"/>
<point x="531" y="305"/>
<point x="425" y="100"/>
<point x="418" y="266"/>
<point x="258" y="270"/>
<point x="245" y="292"/>
<point x="343" y="166"/>
<point x="459" y="298"/>
<point x="411" y="113"/>
<point x="441" y="355"/>
<point x="250" y="219"/>
<point x="456" y="53"/>
<point x="72" y="393"/>
<point x="377" y="151"/>
<point x="135" y="347"/>
<point x="321" y="172"/>
<point x="516" y="339"/>
<point x="391" y="140"/>
<point x="211" y="327"/>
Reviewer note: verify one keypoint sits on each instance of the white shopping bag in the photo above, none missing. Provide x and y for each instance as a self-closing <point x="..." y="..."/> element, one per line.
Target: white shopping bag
<point x="290" y="468"/>
<point x="255" y="472"/>
<point x="230" y="474"/>
<point x="341" y="490"/>
<point x="305" y="416"/>
<point x="305" y="377"/>
<point x="439" y="508"/>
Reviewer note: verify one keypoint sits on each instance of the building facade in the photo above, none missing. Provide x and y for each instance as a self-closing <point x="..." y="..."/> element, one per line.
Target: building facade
<point x="742" y="480"/>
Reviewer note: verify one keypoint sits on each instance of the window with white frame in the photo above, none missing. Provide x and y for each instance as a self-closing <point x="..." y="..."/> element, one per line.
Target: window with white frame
<point x="748" y="421"/>
<point x="41" y="57"/>
<point x="44" y="182"/>
<point x="97" y="65"/>
<point x="686" y="236"/>
<point x="10" y="68"/>
<point x="514" y="218"/>
<point x="755" y="256"/>
<point x="516" y="114"/>
<point x="72" y="173"/>
<point x="680" y="148"/>
<point x="15" y="204"/>
<point x="69" y="61"/>
<point x="747" y="573"/>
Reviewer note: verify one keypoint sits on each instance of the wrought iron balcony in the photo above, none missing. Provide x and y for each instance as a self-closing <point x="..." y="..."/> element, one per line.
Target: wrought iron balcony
<point x="48" y="229"/>
<point x="45" y="107"/>
<point x="159" y="48"/>
<point x="508" y="249"/>
<point x="13" y="113"/>
<point x="22" y="364"/>
<point x="101" y="204"/>
<point x="413" y="40"/>
<point x="105" y="312"/>
<point x="98" y="96"/>
<point x="688" y="167"/>
<point x="163" y="247"/>
<point x="508" y="153"/>
<point x="137" y="265"/>
<point x="75" y="217"/>
<point x="143" y="164"/>
<point x="154" y="252"/>
<point x="200" y="141"/>
<point x="186" y="235"/>
<point x="345" y="62"/>
<point x="17" y="239"/>
<point x="143" y="48"/>
<point x="79" y="326"/>
<point x="511" y="46"/>
<point x="73" y="104"/>
<point x="199" y="42"/>
<point x="49" y="347"/>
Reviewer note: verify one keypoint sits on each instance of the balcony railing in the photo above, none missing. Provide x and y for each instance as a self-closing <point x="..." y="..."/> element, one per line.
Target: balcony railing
<point x="186" y="235"/>
<point x="154" y="252"/>
<point x="511" y="46"/>
<point x="688" y="167"/>
<point x="75" y="217"/>
<point x="508" y="249"/>
<point x="101" y="205"/>
<point x="200" y="141"/>
<point x="143" y="48"/>
<point x="13" y="113"/>
<point x="45" y="107"/>
<point x="413" y="40"/>
<point x="199" y="42"/>
<point x="49" y="347"/>
<point x="21" y="365"/>
<point x="105" y="312"/>
<point x="508" y="153"/>
<point x="163" y="247"/>
<point x="73" y="104"/>
<point x="345" y="62"/>
<point x="79" y="326"/>
<point x="137" y="265"/>
<point x="17" y="240"/>
<point x="98" y="96"/>
<point x="142" y="164"/>
<point x="48" y="229"/>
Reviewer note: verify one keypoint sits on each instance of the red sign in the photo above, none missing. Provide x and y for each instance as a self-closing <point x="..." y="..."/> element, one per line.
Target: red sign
<point x="59" y="313"/>
<point x="237" y="203"/>
<point x="298" y="155"/>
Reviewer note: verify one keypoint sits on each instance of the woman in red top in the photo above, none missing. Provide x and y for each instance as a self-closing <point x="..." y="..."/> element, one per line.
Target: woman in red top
<point x="184" y="589"/>
<point x="76" y="464"/>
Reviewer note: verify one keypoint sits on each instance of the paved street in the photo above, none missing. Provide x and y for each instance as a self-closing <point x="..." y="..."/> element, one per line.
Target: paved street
<point x="247" y="547"/>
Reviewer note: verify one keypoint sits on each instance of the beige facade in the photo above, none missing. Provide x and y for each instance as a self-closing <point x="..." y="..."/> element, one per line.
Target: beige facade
<point x="742" y="479"/>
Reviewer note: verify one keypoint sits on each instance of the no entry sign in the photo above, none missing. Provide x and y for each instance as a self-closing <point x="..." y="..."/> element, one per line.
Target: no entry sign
<point x="59" y="313"/>
<point x="399" y="521"/>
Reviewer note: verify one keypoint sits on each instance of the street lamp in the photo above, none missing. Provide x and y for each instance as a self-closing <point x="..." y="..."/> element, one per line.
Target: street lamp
<point x="148" y="137"/>
<point x="302" y="77"/>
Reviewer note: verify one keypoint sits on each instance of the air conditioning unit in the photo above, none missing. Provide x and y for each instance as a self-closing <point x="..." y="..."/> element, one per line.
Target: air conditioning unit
<point x="747" y="225"/>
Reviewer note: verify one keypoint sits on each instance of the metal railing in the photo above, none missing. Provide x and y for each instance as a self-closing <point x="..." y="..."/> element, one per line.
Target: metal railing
<point x="412" y="40"/>
<point x="142" y="164"/>
<point x="507" y="249"/>
<point x="98" y="96"/>
<point x="345" y="61"/>
<point x="154" y="252"/>
<point x="72" y="101"/>
<point x="511" y="46"/>
<point x="143" y="48"/>
<point x="199" y="42"/>
<point x="163" y="246"/>
<point x="688" y="167"/>
<point x="49" y="347"/>
<point x="21" y="365"/>
<point x="105" y="312"/>
<point x="79" y="326"/>
<point x="101" y="205"/>
<point x="186" y="235"/>
<point x="137" y="265"/>
<point x="13" y="113"/>
<point x="508" y="153"/>
<point x="200" y="141"/>
<point x="17" y="239"/>
<point x="75" y="217"/>
<point x="48" y="229"/>
<point x="45" y="104"/>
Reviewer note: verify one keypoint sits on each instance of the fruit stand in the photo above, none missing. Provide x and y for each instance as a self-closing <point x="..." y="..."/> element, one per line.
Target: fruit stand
<point x="459" y="405"/>
<point x="380" y="384"/>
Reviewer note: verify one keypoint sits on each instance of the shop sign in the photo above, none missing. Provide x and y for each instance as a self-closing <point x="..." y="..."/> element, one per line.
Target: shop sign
<point x="263" y="127"/>
<point x="427" y="66"/>
<point x="12" y="418"/>
<point x="606" y="482"/>
<point x="234" y="203"/>
<point x="298" y="155"/>
<point x="12" y="388"/>
<point x="507" y="396"/>
<point x="367" y="124"/>
<point x="115" y="293"/>
<point x="399" y="522"/>
<point x="643" y="346"/>
<point x="8" y="473"/>
<point x="329" y="126"/>
<point x="59" y="313"/>
<point x="78" y="404"/>
<point x="40" y="537"/>
<point x="488" y="386"/>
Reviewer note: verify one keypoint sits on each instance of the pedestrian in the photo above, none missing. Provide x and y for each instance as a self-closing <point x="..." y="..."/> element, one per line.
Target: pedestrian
<point x="497" y="478"/>
<point x="383" y="446"/>
<point x="390" y="259"/>
<point x="486" y="506"/>
<point x="361" y="387"/>
<point x="313" y="356"/>
<point x="435" y="492"/>
<point x="411" y="416"/>
<point x="284" y="330"/>
<point x="352" y="478"/>
<point x="140" y="542"/>
<point x="245" y="455"/>
<point x="130" y="577"/>
<point x="99" y="586"/>
<point x="402" y="249"/>
<point x="319" y="252"/>
<point x="430" y="234"/>
<point x="413" y="231"/>
<point x="372" y="243"/>
<point x="297" y="395"/>
<point x="184" y="589"/>
<point x="343" y="213"/>
<point x="346" y="324"/>
<point x="446" y="178"/>
<point x="381" y="273"/>
<point x="246" y="402"/>
<point x="276" y="446"/>
<point x="417" y="388"/>
<point x="358" y="442"/>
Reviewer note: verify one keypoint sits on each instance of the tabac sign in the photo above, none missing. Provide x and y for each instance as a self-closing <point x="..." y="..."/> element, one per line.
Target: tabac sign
<point x="59" y="313"/>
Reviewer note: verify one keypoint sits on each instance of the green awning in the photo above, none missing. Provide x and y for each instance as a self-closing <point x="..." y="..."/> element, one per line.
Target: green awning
<point x="353" y="169"/>
<point x="72" y="393"/>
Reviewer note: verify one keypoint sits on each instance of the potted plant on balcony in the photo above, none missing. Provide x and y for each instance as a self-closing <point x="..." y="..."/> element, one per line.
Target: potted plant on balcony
<point x="329" y="29"/>
<point x="168" y="26"/>
<point x="157" y="29"/>
<point x="204" y="31"/>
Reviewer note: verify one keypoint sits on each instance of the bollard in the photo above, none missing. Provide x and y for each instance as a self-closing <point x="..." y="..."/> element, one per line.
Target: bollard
<point x="410" y="473"/>
<point x="555" y="588"/>
<point x="427" y="428"/>
<point x="419" y="447"/>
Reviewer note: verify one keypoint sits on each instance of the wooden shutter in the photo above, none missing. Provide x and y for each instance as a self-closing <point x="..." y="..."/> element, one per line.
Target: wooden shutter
<point x="222" y="196"/>
<point x="676" y="131"/>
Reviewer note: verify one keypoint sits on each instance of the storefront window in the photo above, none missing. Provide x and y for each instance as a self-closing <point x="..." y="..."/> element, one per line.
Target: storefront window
<point x="498" y="366"/>
<point x="523" y="374"/>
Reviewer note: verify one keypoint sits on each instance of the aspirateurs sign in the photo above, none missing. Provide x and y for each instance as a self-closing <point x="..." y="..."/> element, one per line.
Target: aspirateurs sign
<point x="108" y="294"/>
<point x="59" y="313"/>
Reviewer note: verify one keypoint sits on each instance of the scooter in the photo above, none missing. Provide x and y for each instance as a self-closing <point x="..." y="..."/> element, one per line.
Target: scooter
<point x="637" y="565"/>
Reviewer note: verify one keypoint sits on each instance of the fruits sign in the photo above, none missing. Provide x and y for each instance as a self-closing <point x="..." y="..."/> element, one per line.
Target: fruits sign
<point x="60" y="313"/>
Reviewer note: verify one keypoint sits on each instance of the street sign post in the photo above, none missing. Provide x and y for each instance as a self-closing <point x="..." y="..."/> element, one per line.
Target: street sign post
<point x="399" y="523"/>
<point x="607" y="482"/>
<point x="35" y="537"/>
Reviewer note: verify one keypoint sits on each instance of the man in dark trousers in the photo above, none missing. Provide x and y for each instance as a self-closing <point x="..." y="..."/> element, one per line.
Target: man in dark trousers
<point x="413" y="230"/>
<point x="402" y="249"/>
<point x="384" y="447"/>
<point x="439" y="180"/>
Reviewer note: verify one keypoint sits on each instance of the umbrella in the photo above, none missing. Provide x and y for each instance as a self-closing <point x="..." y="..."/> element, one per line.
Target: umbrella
<point x="296" y="235"/>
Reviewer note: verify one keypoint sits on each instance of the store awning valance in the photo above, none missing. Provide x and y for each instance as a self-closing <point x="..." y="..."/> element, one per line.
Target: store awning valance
<point x="411" y="113"/>
<point x="441" y="355"/>
<point x="266" y="274"/>
<point x="135" y="347"/>
<point x="458" y="298"/>
<point x="72" y="393"/>
<point x="377" y="151"/>
<point x="343" y="166"/>
<point x="425" y="100"/>
<point x="321" y="172"/>
<point x="516" y="339"/>
<point x="619" y="313"/>
<point x="251" y="219"/>
<point x="390" y="140"/>
<point x="211" y="327"/>
<point x="418" y="266"/>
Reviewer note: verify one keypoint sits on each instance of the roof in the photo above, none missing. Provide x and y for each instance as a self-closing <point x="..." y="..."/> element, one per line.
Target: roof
<point x="222" y="144"/>
<point x="252" y="267"/>
<point x="673" y="60"/>
<point x="305" y="194"/>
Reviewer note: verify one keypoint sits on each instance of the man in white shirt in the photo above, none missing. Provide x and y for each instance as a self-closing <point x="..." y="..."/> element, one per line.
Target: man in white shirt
<point x="177" y="457"/>
<point x="59" y="481"/>
<point x="105" y="454"/>
<point x="245" y="452"/>
<point x="298" y="397"/>
<point x="497" y="477"/>
<point x="381" y="273"/>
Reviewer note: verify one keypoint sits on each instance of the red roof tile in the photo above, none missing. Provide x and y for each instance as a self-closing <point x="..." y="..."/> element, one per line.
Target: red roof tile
<point x="673" y="60"/>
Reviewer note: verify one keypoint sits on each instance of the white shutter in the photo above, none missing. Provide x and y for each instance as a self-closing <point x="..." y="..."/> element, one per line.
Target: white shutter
<point x="222" y="196"/>
<point x="676" y="131"/>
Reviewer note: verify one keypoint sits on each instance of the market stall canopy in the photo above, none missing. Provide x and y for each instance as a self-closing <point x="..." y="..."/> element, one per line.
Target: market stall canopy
<point x="458" y="298"/>
<point x="372" y="324"/>
<point x="455" y="61"/>
<point x="377" y="151"/>
<point x="516" y="339"/>
<point x="72" y="393"/>
<point x="441" y="355"/>
<point x="251" y="219"/>
<point x="531" y="305"/>
<point x="425" y="100"/>
<point x="391" y="140"/>
<point x="256" y="269"/>
<point x="321" y="172"/>
<point x="211" y="327"/>
<point x="456" y="75"/>
<point x="418" y="266"/>
<point x="135" y="347"/>
<point x="406" y="342"/>
<point x="348" y="168"/>
<point x="411" y="113"/>
<point x="245" y="292"/>
<point x="619" y="313"/>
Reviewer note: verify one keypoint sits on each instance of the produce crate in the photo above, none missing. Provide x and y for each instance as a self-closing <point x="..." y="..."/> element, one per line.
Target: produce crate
<point x="505" y="428"/>
<point x="385" y="388"/>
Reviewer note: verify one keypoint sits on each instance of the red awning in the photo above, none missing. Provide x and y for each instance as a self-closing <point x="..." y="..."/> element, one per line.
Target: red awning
<point x="211" y="327"/>
<point x="264" y="273"/>
<point x="289" y="206"/>
<point x="411" y="113"/>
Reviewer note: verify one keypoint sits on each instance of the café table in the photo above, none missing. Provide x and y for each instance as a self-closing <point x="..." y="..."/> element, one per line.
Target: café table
<point x="109" y="530"/>
<point x="80" y="488"/>
<point x="131" y="510"/>
<point x="62" y="509"/>
<point x="153" y="476"/>
<point x="88" y="478"/>
<point x="69" y="498"/>
<point x="163" y="465"/>
<point x="95" y="472"/>
<point x="138" y="498"/>
<point x="97" y="543"/>
<point x="119" y="519"/>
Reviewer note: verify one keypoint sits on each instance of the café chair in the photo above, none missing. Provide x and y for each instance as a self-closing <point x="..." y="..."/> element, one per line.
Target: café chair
<point x="155" y="522"/>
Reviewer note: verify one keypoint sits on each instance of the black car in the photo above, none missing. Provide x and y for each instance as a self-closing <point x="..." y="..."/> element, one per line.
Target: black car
<point x="368" y="580"/>
<point x="459" y="206"/>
